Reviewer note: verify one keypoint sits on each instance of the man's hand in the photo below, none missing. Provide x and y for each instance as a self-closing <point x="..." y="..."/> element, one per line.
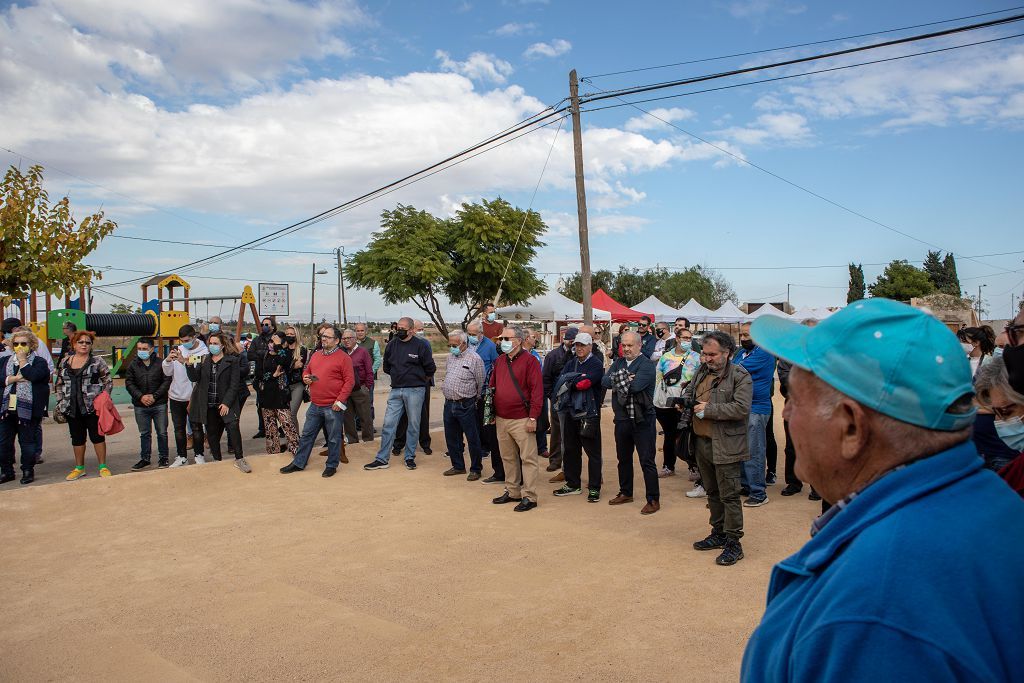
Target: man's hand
<point x="224" y="410"/>
<point x="699" y="408"/>
<point x="148" y="400"/>
<point x="307" y="380"/>
<point x="338" y="406"/>
<point x="531" y="425"/>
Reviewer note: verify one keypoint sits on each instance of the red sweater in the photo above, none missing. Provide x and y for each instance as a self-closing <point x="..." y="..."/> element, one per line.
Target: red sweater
<point x="1013" y="474"/>
<point x="335" y="374"/>
<point x="507" y="403"/>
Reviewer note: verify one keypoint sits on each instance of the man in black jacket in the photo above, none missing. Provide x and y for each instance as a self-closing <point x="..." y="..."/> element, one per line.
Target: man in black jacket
<point x="257" y="351"/>
<point x="148" y="386"/>
<point x="553" y="364"/>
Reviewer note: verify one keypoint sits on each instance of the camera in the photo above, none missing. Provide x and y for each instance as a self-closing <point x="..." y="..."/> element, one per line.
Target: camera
<point x="684" y="402"/>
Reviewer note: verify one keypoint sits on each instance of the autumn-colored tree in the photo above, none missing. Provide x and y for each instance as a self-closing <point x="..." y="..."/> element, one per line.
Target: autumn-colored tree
<point x="41" y="246"/>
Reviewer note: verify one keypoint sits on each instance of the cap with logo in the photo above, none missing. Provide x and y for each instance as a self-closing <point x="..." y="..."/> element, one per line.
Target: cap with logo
<point x="897" y="360"/>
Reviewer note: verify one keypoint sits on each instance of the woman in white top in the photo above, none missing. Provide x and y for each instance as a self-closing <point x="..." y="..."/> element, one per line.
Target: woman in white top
<point x="675" y="368"/>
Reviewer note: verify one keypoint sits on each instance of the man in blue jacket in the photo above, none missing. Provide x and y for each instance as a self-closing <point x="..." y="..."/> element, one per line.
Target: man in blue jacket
<point x="761" y="366"/>
<point x="631" y="381"/>
<point x="913" y="574"/>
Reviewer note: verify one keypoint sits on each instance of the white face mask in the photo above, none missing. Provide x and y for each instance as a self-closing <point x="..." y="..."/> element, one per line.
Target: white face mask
<point x="967" y="347"/>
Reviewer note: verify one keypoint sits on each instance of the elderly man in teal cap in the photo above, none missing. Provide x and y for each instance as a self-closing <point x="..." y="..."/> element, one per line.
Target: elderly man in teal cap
<point x="914" y="573"/>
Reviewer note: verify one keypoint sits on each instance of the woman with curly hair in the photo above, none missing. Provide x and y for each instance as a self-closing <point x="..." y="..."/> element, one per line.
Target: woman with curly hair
<point x="81" y="378"/>
<point x="25" y="378"/>
<point x="275" y="396"/>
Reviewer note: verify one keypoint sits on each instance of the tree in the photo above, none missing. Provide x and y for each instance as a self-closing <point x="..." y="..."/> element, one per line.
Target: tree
<point x="124" y="309"/>
<point x="572" y="286"/>
<point x="856" y="290"/>
<point x="421" y="258"/>
<point x="630" y="286"/>
<point x="902" y="281"/>
<point x="41" y="247"/>
<point x="952" y="279"/>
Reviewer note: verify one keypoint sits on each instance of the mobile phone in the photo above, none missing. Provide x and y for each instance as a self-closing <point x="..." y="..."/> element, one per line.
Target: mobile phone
<point x="314" y="378"/>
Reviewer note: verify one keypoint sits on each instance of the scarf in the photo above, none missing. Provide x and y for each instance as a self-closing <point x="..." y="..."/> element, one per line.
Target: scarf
<point x="23" y="390"/>
<point x="621" y="383"/>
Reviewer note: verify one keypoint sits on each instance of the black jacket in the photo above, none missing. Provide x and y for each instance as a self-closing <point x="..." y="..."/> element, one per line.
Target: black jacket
<point x="38" y="373"/>
<point x="141" y="380"/>
<point x="228" y="386"/>
<point x="409" y="363"/>
<point x="553" y="364"/>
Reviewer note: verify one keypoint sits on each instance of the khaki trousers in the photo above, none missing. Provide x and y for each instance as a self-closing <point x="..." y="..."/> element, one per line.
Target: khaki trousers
<point x="518" y="445"/>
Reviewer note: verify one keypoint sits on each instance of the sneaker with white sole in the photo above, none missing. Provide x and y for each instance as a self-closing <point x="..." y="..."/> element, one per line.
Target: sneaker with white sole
<point x="666" y="472"/>
<point x="180" y="461"/>
<point x="693" y="474"/>
<point x="697" y="492"/>
<point x="200" y="460"/>
<point x="241" y="464"/>
<point x="755" y="502"/>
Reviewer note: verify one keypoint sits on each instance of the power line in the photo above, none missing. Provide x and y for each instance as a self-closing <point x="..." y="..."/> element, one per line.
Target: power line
<point x="216" y="246"/>
<point x="790" y="47"/>
<point x="801" y="60"/>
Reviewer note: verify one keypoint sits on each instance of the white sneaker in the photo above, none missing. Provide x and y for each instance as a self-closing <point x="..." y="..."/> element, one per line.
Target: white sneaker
<point x="697" y="492"/>
<point x="180" y="461"/>
<point x="200" y="460"/>
<point x="666" y="472"/>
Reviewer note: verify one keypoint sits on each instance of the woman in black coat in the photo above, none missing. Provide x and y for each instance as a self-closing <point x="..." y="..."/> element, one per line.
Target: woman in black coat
<point x="215" y="400"/>
<point x="25" y="378"/>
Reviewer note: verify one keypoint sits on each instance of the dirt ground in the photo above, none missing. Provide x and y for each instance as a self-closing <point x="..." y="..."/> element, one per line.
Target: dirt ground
<point x="205" y="573"/>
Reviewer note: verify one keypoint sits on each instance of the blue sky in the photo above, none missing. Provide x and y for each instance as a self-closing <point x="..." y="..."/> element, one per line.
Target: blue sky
<point x="219" y="122"/>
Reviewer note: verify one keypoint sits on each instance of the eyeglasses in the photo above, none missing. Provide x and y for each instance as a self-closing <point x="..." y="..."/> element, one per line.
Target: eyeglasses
<point x="1013" y="333"/>
<point x="347" y="338"/>
<point x="327" y="336"/>
<point x="1004" y="412"/>
<point x="84" y="341"/>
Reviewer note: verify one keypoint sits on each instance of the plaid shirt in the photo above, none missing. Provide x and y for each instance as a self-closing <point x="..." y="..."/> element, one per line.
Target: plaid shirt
<point x="621" y="383"/>
<point x="464" y="376"/>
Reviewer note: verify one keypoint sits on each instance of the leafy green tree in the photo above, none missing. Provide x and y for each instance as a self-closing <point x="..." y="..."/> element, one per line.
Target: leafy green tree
<point x="572" y="287"/>
<point x="856" y="289"/>
<point x="902" y="281"/>
<point x="952" y="280"/>
<point x="421" y="258"/>
<point x="124" y="308"/>
<point x="935" y="269"/>
<point x="41" y="245"/>
<point x="630" y="286"/>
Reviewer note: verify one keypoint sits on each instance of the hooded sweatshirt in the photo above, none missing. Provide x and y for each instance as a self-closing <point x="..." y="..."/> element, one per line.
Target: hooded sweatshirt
<point x="181" y="386"/>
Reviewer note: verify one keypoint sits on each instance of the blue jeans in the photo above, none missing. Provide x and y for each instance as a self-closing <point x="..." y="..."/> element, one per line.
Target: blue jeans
<point x="753" y="469"/>
<point x="317" y="418"/>
<point x="409" y="400"/>
<point x="459" y="420"/>
<point x="149" y="418"/>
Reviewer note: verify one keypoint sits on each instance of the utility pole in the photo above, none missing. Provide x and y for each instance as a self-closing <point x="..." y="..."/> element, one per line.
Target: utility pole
<point x="979" y="302"/>
<point x="581" y="198"/>
<point x="788" y="305"/>
<point x="343" y="310"/>
<point x="312" y="296"/>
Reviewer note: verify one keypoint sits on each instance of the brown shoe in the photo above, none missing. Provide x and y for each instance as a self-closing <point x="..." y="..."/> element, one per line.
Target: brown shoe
<point x="189" y="443"/>
<point x="344" y="458"/>
<point x="651" y="507"/>
<point x="558" y="477"/>
<point x="620" y="499"/>
<point x="323" y="453"/>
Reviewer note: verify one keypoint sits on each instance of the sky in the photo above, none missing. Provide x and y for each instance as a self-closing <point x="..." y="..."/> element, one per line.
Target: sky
<point x="201" y="123"/>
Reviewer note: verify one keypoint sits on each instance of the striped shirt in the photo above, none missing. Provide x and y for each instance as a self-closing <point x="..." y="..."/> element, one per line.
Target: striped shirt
<point x="464" y="376"/>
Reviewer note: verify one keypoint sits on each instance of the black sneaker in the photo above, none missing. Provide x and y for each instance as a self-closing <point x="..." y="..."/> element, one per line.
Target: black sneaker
<point x="259" y="435"/>
<point x="163" y="463"/>
<point x="376" y="465"/>
<point x="713" y="542"/>
<point x="593" y="495"/>
<point x="770" y="479"/>
<point x="493" y="480"/>
<point x="731" y="554"/>
<point x="140" y="465"/>
<point x="27" y="477"/>
<point x="427" y="451"/>
<point x="567" y="490"/>
<point x="525" y="505"/>
<point x="410" y="464"/>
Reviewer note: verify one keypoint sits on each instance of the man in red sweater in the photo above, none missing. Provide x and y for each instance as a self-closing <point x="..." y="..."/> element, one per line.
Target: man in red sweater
<point x="330" y="379"/>
<point x="518" y="401"/>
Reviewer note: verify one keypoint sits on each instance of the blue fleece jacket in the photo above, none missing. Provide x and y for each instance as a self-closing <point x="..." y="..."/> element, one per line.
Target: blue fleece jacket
<point x="761" y="366"/>
<point x="917" y="579"/>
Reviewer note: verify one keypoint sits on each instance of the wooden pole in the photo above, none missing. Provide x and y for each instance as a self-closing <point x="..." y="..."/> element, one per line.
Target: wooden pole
<point x="581" y="199"/>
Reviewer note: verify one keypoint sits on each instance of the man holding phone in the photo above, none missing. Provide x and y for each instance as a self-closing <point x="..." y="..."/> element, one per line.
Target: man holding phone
<point x="330" y="378"/>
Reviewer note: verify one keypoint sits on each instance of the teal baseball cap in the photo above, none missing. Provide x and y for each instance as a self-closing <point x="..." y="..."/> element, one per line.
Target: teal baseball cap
<point x="897" y="360"/>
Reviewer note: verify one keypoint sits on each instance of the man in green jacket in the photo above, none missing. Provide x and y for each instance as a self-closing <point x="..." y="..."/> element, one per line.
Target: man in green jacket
<point x="720" y="394"/>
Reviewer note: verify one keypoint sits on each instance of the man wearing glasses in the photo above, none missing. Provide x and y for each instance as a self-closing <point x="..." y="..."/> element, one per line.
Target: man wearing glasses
<point x="330" y="378"/>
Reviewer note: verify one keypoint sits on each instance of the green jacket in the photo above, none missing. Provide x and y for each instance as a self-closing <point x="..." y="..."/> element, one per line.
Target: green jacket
<point x="729" y="411"/>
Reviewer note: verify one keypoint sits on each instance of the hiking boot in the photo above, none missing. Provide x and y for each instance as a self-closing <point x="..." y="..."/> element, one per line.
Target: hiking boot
<point x="713" y="542"/>
<point x="731" y="553"/>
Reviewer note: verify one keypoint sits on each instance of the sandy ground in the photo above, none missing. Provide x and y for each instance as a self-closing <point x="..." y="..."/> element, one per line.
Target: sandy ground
<point x="204" y="573"/>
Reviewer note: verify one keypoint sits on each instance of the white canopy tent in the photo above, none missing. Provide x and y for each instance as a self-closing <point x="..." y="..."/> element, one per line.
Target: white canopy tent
<point x="662" y="312"/>
<point x="694" y="312"/>
<point x="550" y="306"/>
<point x="727" y="313"/>
<point x="804" y="314"/>
<point x="823" y="313"/>
<point x="764" y="310"/>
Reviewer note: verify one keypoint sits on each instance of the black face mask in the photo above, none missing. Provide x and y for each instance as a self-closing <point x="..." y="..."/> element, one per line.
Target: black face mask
<point x="402" y="334"/>
<point x="747" y="344"/>
<point x="289" y="340"/>
<point x="660" y="333"/>
<point x="266" y="329"/>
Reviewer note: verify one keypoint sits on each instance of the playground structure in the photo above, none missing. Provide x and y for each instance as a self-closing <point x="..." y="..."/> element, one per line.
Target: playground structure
<point x="159" y="318"/>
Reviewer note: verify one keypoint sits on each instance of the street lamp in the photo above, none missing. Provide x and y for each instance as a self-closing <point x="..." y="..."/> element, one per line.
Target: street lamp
<point x="312" y="293"/>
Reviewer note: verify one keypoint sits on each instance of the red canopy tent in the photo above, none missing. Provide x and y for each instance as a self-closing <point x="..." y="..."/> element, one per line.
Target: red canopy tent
<point x="620" y="313"/>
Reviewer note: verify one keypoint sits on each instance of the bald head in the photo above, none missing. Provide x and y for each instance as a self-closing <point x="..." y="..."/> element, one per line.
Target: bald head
<point x="630" y="343"/>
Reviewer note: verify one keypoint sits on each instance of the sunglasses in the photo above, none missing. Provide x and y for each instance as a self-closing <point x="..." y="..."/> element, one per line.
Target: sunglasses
<point x="21" y="346"/>
<point x="1015" y="333"/>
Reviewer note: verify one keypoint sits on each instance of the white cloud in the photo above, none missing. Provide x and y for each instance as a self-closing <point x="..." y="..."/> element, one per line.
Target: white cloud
<point x="757" y="9"/>
<point x="479" y="66"/>
<point x="555" y="48"/>
<point x="604" y="224"/>
<point x="514" y="29"/>
<point x="779" y="128"/>
<point x="645" y="122"/>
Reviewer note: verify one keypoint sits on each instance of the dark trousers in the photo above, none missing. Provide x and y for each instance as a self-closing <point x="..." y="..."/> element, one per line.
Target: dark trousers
<point x="403" y="427"/>
<point x="359" y="411"/>
<point x="668" y="418"/>
<point x="722" y="483"/>
<point x="641" y="437"/>
<point x="215" y="428"/>
<point x="459" y="421"/>
<point x="179" y="417"/>
<point x="542" y="429"/>
<point x="771" y="450"/>
<point x="25" y="431"/>
<point x="489" y="441"/>
<point x="573" y="446"/>
<point x="791" y="478"/>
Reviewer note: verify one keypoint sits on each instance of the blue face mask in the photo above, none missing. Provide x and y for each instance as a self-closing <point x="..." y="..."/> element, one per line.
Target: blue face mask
<point x="214" y="327"/>
<point x="473" y="341"/>
<point x="506" y="346"/>
<point x="215" y="349"/>
<point x="191" y="345"/>
<point x="998" y="353"/>
<point x="490" y="317"/>
<point x="455" y="350"/>
<point x="143" y="355"/>
<point x="686" y="345"/>
<point x="1012" y="433"/>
